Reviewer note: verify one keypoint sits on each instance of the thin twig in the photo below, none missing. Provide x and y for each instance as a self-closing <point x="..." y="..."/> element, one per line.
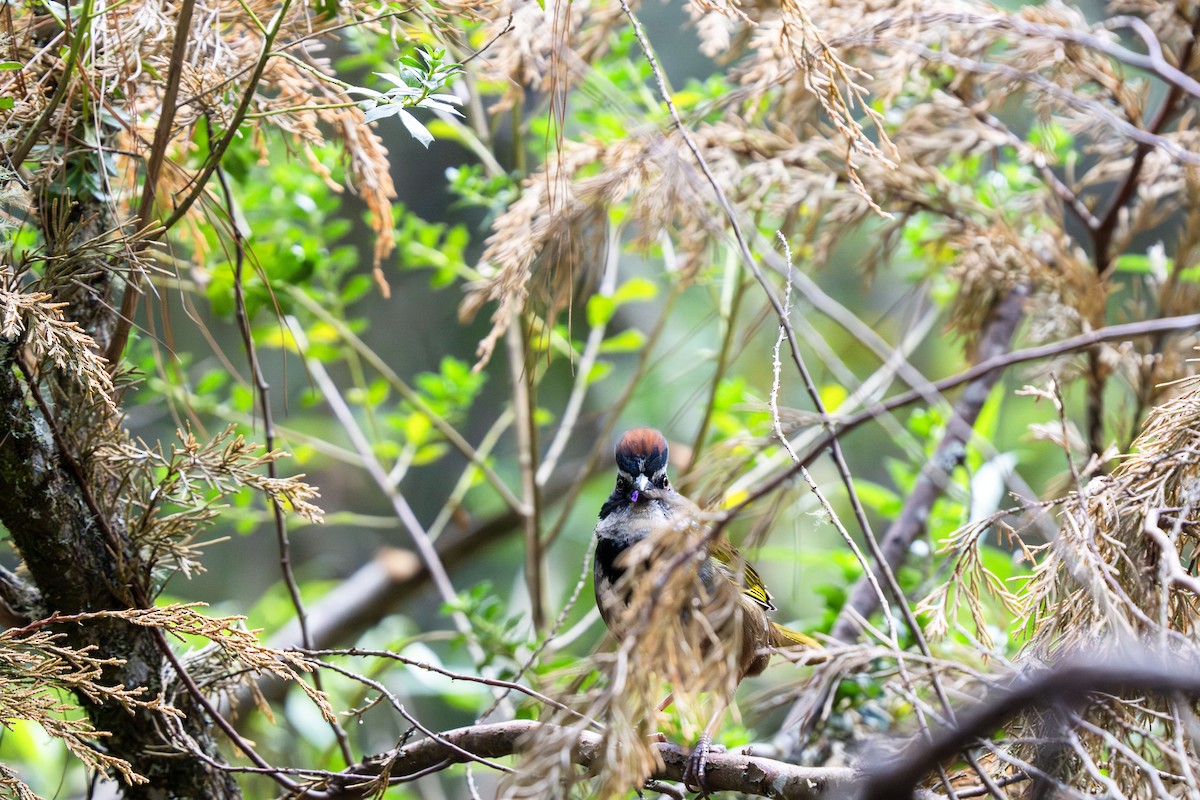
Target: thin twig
<point x="1073" y="101"/>
<point x="776" y="366"/>
<point x="583" y="371"/>
<point x="521" y="369"/>
<point x="78" y="34"/>
<point x="403" y="511"/>
<point x="263" y="393"/>
<point x="408" y="393"/>
<point x="467" y="478"/>
<point x="951" y="450"/>
<point x="511" y="686"/>
<point x="154" y="163"/>
<point x="840" y="425"/>
<point x="394" y="701"/>
<point x="508" y="26"/>
<point x="215" y="157"/>
<point x="894" y="363"/>
<point x="729" y="333"/>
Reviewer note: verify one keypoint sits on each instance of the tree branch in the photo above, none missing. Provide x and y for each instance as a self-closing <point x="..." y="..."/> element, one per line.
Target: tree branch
<point x="738" y="772"/>
<point x="840" y="425"/>
<point x="1066" y="685"/>
<point x="911" y="522"/>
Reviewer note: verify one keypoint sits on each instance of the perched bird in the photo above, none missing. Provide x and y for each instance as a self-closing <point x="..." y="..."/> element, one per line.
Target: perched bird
<point x="728" y="593"/>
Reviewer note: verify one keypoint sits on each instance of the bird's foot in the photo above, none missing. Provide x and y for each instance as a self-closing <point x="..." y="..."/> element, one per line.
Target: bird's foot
<point x="694" y="770"/>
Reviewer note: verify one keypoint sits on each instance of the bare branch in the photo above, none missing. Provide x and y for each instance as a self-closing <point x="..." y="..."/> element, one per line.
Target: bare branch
<point x="863" y="598"/>
<point x="1073" y="344"/>
<point x="726" y="771"/>
<point x="1064" y="686"/>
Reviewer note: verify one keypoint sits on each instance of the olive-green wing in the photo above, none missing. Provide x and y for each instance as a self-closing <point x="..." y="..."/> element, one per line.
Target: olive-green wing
<point x="734" y="566"/>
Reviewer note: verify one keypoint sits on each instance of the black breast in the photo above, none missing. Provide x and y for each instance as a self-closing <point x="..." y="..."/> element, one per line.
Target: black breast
<point x="607" y="553"/>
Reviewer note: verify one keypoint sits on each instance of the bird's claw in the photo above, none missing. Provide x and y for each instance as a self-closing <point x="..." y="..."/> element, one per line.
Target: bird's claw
<point x="694" y="770"/>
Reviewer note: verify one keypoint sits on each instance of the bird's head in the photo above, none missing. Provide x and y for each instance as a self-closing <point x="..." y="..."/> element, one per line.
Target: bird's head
<point x="641" y="463"/>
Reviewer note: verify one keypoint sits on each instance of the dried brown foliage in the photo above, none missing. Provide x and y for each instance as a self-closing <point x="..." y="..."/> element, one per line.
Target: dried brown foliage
<point x="39" y="673"/>
<point x="842" y="122"/>
<point x="1119" y="578"/>
<point x="813" y="166"/>
<point x="789" y="143"/>
<point x="682" y="642"/>
<point x="226" y="80"/>
<point x="1123" y="571"/>
<point x="172" y="497"/>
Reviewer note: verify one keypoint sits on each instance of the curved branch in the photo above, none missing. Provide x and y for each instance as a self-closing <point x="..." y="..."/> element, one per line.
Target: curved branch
<point x="1066" y="685"/>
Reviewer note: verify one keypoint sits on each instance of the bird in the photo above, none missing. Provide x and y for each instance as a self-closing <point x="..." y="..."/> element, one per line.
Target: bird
<point x="640" y="522"/>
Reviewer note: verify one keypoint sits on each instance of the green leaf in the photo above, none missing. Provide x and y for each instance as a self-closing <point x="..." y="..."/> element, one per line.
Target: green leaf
<point x="356" y="288"/>
<point x="600" y="310"/>
<point x="417" y="428"/>
<point x="242" y="398"/>
<point x="212" y="381"/>
<point x="415" y="128"/>
<point x="377" y="393"/>
<point x="600" y="370"/>
<point x="430" y="453"/>
<point x="635" y="289"/>
<point x="378" y="112"/>
<point x="833" y="395"/>
<point x="629" y="340"/>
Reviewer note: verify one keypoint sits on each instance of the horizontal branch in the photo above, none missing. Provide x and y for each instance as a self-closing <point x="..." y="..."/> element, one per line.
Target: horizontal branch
<point x="888" y="774"/>
<point x="732" y="771"/>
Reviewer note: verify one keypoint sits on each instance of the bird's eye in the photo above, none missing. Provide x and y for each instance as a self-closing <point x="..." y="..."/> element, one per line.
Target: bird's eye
<point x="622" y="485"/>
<point x="666" y="484"/>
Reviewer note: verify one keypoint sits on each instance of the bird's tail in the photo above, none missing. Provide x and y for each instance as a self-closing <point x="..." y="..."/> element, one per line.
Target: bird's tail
<point x="786" y="637"/>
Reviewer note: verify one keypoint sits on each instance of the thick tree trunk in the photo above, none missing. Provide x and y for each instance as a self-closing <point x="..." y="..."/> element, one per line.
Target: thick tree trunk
<point x="62" y="514"/>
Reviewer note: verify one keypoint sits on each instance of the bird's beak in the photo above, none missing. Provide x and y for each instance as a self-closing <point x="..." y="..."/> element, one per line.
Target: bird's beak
<point x="640" y="484"/>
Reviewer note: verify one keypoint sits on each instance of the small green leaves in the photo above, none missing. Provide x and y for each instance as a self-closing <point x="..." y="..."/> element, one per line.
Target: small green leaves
<point x="417" y="82"/>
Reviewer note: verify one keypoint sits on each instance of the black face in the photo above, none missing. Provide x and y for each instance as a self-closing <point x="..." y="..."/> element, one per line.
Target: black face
<point x="625" y="486"/>
<point x="645" y="460"/>
<point x="641" y="466"/>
